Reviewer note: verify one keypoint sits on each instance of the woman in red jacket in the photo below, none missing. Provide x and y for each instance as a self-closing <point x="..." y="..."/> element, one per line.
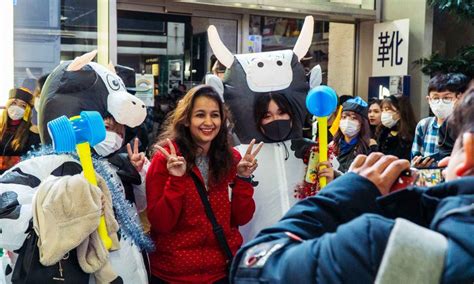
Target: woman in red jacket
<point x="196" y="141"/>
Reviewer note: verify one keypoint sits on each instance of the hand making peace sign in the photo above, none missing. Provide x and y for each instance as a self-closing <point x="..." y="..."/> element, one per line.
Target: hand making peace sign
<point x="136" y="158"/>
<point x="176" y="165"/>
<point x="248" y="164"/>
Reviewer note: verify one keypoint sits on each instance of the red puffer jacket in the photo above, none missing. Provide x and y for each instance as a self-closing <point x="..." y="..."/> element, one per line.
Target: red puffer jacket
<point x="186" y="248"/>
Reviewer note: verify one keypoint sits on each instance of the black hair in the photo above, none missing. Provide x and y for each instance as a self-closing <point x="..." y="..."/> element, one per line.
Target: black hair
<point x="452" y="82"/>
<point x="262" y="102"/>
<point x="374" y="101"/>
<point x="41" y="80"/>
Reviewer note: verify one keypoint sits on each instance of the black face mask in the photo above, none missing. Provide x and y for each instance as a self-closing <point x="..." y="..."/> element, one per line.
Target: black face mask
<point x="277" y="130"/>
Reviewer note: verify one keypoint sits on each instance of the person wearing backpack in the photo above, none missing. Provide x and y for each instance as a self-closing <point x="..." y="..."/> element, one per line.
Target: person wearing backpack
<point x="443" y="91"/>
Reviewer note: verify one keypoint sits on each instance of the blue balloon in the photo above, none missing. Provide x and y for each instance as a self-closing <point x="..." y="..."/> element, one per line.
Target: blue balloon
<point x="321" y="101"/>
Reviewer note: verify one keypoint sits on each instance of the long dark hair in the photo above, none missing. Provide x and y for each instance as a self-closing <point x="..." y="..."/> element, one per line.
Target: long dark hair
<point x="378" y="128"/>
<point x="363" y="144"/>
<point x="20" y="137"/>
<point x="220" y="153"/>
<point x="261" y="106"/>
<point x="407" y="122"/>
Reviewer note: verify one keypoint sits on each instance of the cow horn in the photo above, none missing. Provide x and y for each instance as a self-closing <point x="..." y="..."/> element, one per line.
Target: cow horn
<point x="111" y="67"/>
<point x="220" y="50"/>
<point x="304" y="39"/>
<point x="81" y="61"/>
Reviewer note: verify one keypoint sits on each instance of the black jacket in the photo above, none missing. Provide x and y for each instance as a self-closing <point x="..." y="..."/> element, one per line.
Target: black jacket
<point x="394" y="145"/>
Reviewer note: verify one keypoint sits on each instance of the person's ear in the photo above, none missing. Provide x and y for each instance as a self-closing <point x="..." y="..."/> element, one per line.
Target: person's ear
<point x="467" y="164"/>
<point x="428" y="99"/>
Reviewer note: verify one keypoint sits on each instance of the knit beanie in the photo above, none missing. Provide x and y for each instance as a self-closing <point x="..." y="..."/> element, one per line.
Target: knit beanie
<point x="357" y="105"/>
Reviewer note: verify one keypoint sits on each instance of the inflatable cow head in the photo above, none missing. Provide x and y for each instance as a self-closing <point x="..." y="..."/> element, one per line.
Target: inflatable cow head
<point x="81" y="84"/>
<point x="251" y="75"/>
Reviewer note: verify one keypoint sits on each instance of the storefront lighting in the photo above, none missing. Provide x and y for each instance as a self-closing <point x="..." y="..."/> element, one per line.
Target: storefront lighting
<point x="238" y="4"/>
<point x="6" y="50"/>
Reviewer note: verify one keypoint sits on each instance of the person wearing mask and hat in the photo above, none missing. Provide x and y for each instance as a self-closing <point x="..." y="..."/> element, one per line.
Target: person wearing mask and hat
<point x="37" y="95"/>
<point x="353" y="136"/>
<point x="16" y="137"/>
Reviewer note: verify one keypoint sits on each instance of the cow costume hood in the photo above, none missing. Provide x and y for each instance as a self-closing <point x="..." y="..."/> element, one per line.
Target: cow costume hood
<point x="75" y="86"/>
<point x="250" y="75"/>
<point x="81" y="84"/>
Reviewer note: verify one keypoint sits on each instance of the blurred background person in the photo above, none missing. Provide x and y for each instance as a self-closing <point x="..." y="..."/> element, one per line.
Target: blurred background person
<point x="37" y="96"/>
<point x="16" y="138"/>
<point x="375" y="115"/>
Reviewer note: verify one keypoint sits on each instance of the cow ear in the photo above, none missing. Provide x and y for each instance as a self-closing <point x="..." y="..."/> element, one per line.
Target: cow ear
<point x="304" y="39"/>
<point x="315" y="77"/>
<point x="220" y="50"/>
<point x="216" y="83"/>
<point x="81" y="61"/>
<point x="111" y="67"/>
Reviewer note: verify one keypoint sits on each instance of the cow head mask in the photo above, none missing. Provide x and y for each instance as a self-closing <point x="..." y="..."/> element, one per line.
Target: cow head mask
<point x="250" y="75"/>
<point x="81" y="84"/>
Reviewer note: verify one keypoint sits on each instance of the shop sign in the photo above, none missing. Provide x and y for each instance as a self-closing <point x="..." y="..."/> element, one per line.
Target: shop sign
<point x="390" y="52"/>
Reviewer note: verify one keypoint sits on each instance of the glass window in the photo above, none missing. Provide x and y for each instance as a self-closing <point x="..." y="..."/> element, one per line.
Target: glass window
<point x="153" y="45"/>
<point x="46" y="32"/>
<point x="274" y="33"/>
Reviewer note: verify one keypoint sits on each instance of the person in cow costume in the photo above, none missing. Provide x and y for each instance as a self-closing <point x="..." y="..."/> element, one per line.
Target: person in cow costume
<point x="75" y="86"/>
<point x="277" y="74"/>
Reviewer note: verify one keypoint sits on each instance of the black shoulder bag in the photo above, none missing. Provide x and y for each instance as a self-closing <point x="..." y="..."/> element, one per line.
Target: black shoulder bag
<point x="216" y="227"/>
<point x="29" y="270"/>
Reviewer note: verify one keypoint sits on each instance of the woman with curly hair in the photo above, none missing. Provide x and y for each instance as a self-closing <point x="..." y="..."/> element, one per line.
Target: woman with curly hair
<point x="195" y="156"/>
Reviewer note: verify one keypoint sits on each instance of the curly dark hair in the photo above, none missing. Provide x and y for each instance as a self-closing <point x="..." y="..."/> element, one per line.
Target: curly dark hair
<point x="220" y="153"/>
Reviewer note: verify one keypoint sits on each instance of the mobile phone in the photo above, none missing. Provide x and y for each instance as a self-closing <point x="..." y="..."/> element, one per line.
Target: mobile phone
<point x="434" y="157"/>
<point x="418" y="177"/>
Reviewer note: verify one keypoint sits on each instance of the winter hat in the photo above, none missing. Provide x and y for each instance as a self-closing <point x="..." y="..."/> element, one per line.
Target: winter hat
<point x="357" y="105"/>
<point x="22" y="94"/>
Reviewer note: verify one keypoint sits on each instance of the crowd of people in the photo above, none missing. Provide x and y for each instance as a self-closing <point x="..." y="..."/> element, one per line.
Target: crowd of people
<point x="193" y="189"/>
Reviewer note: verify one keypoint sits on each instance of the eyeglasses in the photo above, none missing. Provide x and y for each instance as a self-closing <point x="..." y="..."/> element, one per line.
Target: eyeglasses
<point x="444" y="100"/>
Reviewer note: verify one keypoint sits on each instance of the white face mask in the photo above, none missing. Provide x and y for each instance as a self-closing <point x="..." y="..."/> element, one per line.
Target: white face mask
<point x="442" y="110"/>
<point x="16" y="112"/>
<point x="349" y="128"/>
<point x="387" y="119"/>
<point x="112" y="143"/>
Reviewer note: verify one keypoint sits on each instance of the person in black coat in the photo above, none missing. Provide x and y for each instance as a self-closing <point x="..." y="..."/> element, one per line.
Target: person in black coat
<point x="398" y="120"/>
